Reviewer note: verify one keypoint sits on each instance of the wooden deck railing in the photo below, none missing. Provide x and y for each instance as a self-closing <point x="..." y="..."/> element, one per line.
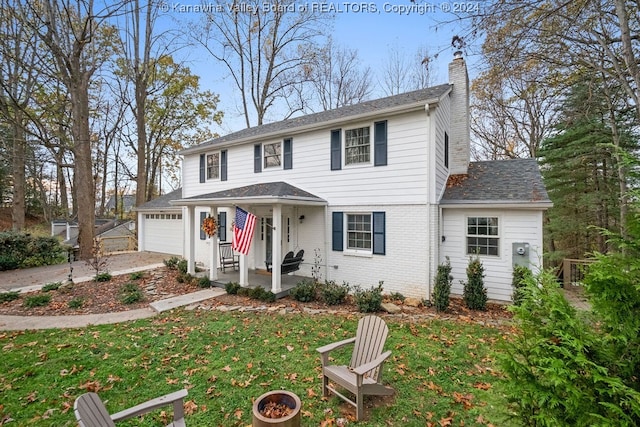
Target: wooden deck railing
<point x="573" y="270"/>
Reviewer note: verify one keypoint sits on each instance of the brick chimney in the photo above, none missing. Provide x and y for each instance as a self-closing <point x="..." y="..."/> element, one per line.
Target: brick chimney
<point x="459" y="136"/>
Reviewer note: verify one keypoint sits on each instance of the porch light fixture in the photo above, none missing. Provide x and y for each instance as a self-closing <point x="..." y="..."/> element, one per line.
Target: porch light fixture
<point x="301" y="218"/>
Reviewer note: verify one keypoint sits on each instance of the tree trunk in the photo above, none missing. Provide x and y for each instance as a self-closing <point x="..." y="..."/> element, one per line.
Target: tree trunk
<point x="83" y="176"/>
<point x="18" y="209"/>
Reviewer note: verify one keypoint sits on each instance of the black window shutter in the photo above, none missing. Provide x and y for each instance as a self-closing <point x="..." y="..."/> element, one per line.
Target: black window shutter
<point x="380" y="143"/>
<point x="222" y="226"/>
<point x="336" y="150"/>
<point x="203" y="236"/>
<point x="202" y="167"/>
<point x="288" y="154"/>
<point x="446" y="150"/>
<point x="223" y="165"/>
<point x="379" y="233"/>
<point x="257" y="158"/>
<point x="336" y="231"/>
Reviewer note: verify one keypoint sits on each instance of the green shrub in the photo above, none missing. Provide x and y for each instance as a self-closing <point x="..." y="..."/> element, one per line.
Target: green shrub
<point x="232" y="288"/>
<point x="396" y="296"/>
<point x="474" y="293"/>
<point x="442" y="287"/>
<point x="51" y="286"/>
<point x="521" y="275"/>
<point x="560" y="368"/>
<point x="304" y="291"/>
<point x="75" y="303"/>
<point x="183" y="266"/>
<point x="204" y="282"/>
<point x="136" y="275"/>
<point x="172" y="263"/>
<point x="102" y="277"/>
<point x="130" y="293"/>
<point x="369" y="300"/>
<point x="184" y="278"/>
<point x="38" y="300"/>
<point x="334" y="294"/>
<point x="24" y="250"/>
<point x="262" y="294"/>
<point x="244" y="292"/>
<point x="9" y="296"/>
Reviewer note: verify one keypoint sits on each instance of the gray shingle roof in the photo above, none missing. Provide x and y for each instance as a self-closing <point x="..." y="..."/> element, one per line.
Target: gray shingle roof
<point x="162" y="202"/>
<point x="497" y="181"/>
<point x="343" y="113"/>
<point x="281" y="190"/>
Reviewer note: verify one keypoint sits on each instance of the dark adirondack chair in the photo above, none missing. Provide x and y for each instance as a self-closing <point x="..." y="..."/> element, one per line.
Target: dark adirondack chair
<point x="363" y="375"/>
<point x="91" y="412"/>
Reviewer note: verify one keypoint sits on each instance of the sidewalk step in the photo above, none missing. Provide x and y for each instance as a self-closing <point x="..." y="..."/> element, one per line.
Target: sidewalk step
<point x="182" y="300"/>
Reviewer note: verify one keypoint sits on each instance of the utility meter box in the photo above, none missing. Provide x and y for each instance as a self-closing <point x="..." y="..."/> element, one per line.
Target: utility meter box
<point x="520" y="254"/>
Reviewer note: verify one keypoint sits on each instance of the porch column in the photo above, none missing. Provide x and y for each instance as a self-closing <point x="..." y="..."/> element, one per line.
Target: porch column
<point x="190" y="246"/>
<point x="276" y="250"/>
<point x="213" y="253"/>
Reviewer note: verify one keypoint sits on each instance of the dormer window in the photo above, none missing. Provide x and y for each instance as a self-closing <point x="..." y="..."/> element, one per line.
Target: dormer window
<point x="357" y="147"/>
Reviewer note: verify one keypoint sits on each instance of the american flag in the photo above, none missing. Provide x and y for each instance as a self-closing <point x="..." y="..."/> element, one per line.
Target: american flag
<point x="243" y="231"/>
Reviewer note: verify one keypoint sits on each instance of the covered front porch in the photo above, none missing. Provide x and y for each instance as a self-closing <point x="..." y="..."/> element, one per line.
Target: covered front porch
<point x="287" y="219"/>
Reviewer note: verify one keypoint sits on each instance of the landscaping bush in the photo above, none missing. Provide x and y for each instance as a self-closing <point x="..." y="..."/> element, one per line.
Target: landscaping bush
<point x="172" y="263"/>
<point x="521" y="275"/>
<point x="561" y="369"/>
<point x="24" y="250"/>
<point x="38" y="300"/>
<point x="232" y="288"/>
<point x="130" y="293"/>
<point x="204" y="282"/>
<point x="370" y="300"/>
<point x="262" y="294"/>
<point x="334" y="294"/>
<point x="474" y="293"/>
<point x="136" y="275"/>
<point x="75" y="303"/>
<point x="442" y="287"/>
<point x="102" y="277"/>
<point x="183" y="266"/>
<point x="304" y="291"/>
<point x="51" y="286"/>
<point x="244" y="292"/>
<point x="396" y="296"/>
<point x="9" y="296"/>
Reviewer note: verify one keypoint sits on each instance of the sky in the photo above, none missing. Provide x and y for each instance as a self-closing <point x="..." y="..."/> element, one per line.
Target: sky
<point x="373" y="28"/>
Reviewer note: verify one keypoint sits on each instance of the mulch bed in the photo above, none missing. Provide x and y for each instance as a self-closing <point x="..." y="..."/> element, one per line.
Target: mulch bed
<point x="104" y="297"/>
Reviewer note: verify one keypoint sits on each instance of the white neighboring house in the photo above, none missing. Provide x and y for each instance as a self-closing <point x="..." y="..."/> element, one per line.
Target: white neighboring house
<point x="383" y="190"/>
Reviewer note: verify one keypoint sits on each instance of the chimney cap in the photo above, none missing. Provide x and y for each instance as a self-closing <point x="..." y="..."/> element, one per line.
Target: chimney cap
<point x="457" y="54"/>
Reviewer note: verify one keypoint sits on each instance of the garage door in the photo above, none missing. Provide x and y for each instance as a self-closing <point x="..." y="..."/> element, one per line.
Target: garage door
<point x="163" y="233"/>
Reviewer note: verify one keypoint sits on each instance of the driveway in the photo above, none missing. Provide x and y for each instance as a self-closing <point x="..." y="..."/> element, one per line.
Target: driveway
<point x="117" y="264"/>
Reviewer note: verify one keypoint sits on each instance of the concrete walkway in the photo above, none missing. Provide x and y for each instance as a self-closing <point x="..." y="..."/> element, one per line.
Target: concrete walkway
<point x="33" y="279"/>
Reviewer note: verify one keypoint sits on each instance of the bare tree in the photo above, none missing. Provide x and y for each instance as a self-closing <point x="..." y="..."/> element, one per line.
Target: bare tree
<point x="18" y="78"/>
<point x="403" y="74"/>
<point x="337" y="77"/>
<point x="263" y="46"/>
<point x="70" y="32"/>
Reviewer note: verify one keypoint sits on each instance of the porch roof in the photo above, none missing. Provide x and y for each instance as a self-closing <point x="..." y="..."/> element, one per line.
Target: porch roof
<point x="255" y="194"/>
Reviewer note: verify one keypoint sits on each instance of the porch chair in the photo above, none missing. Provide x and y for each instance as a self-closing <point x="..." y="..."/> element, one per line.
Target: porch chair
<point x="363" y="375"/>
<point x="91" y="412"/>
<point x="227" y="257"/>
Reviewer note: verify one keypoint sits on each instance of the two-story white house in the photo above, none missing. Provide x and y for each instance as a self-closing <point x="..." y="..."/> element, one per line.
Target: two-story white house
<point x="383" y="191"/>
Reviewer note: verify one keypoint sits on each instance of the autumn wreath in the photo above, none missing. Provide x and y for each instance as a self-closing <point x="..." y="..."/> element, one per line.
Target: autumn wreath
<point x="209" y="226"/>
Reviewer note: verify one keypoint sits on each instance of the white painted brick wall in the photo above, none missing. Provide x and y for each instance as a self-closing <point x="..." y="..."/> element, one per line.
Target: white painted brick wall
<point x="460" y="133"/>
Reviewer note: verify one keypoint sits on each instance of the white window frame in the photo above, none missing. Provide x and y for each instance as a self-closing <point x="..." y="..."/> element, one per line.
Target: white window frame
<point x="210" y="168"/>
<point x="277" y="155"/>
<point x="483" y="233"/>
<point x="355" y="232"/>
<point x="367" y="145"/>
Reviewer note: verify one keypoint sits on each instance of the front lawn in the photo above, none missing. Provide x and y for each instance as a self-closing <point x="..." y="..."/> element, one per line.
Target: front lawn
<point x="443" y="371"/>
